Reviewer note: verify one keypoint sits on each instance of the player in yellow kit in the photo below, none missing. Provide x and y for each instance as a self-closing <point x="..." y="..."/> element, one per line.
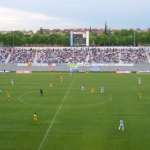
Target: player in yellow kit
<point x="50" y="84"/>
<point x="61" y="77"/>
<point x="139" y="94"/>
<point x="92" y="89"/>
<point x="35" y="119"/>
<point x="8" y="95"/>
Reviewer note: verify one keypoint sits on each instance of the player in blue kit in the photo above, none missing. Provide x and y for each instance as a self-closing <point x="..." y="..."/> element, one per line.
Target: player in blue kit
<point x="70" y="72"/>
<point x="82" y="86"/>
<point x="102" y="89"/>
<point x="139" y="80"/>
<point x="12" y="81"/>
<point x="121" y="124"/>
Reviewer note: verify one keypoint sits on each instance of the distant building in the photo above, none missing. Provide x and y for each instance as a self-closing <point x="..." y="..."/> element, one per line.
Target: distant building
<point x="23" y="31"/>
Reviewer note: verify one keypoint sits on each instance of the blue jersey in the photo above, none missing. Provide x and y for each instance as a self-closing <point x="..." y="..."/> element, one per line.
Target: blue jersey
<point x="102" y="87"/>
<point x="82" y="85"/>
<point x="121" y="122"/>
<point x="139" y="78"/>
<point x="11" y="80"/>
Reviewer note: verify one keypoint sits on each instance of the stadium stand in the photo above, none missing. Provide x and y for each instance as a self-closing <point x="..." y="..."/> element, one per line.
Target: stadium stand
<point x="134" y="55"/>
<point x="102" y="55"/>
<point x="4" y="54"/>
<point x="62" y="56"/>
<point x="75" y="55"/>
<point x="22" y="56"/>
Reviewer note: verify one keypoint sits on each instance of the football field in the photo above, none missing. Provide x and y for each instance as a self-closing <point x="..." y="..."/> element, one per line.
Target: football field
<point x="71" y="119"/>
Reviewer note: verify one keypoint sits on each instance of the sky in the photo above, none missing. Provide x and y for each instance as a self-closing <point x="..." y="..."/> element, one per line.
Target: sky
<point x="70" y="14"/>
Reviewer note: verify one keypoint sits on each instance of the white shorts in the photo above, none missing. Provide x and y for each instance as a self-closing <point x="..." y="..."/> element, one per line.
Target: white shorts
<point x="121" y="125"/>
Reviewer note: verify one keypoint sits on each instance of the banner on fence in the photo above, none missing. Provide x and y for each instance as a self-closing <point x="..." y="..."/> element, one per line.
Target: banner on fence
<point x="22" y="64"/>
<point x="61" y="64"/>
<point x="72" y="64"/>
<point x="6" y="71"/>
<point x="95" y="68"/>
<point x="23" y="71"/>
<point x="123" y="71"/>
<point x="74" y="68"/>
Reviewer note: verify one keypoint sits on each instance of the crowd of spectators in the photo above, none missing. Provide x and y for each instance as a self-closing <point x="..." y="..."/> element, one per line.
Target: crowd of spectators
<point x="134" y="55"/>
<point x="76" y="55"/>
<point x="65" y="55"/>
<point x="104" y="55"/>
<point x="4" y="54"/>
<point x="22" y="56"/>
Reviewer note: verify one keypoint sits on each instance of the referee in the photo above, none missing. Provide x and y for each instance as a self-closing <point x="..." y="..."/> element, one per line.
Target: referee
<point x="41" y="91"/>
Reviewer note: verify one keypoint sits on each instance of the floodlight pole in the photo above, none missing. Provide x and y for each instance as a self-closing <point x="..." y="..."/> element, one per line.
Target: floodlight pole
<point x="134" y="39"/>
<point x="13" y="40"/>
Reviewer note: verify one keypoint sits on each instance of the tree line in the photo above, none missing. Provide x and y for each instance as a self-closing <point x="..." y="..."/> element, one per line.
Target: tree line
<point x="122" y="38"/>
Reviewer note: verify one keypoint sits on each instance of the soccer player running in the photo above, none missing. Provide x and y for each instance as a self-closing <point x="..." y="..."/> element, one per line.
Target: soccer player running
<point x="139" y="80"/>
<point x="61" y="77"/>
<point x="70" y="72"/>
<point x="83" y="87"/>
<point x="139" y="94"/>
<point x="41" y="91"/>
<point x="92" y="89"/>
<point x="102" y="89"/>
<point x="50" y="84"/>
<point x="35" y="119"/>
<point x="8" y="96"/>
<point x="12" y="81"/>
<point x="121" y="125"/>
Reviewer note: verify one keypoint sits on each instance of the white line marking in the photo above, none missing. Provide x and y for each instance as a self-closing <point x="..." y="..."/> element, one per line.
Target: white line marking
<point x="63" y="107"/>
<point x="55" y="115"/>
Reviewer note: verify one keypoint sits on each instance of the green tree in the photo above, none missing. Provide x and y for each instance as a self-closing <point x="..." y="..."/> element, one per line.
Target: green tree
<point x="41" y="30"/>
<point x="120" y="40"/>
<point x="105" y="39"/>
<point x="131" y="32"/>
<point x="19" y="34"/>
<point x="52" y="40"/>
<point x="106" y="29"/>
<point x="9" y="39"/>
<point x="24" y="40"/>
<point x="90" y="29"/>
<point x="35" y="38"/>
<point x="116" y="33"/>
<point x="91" y="38"/>
<point x="124" y="32"/>
<point x="41" y="39"/>
<point x="126" y="40"/>
<point x="96" y="40"/>
<point x="67" y="40"/>
<point x="45" y="39"/>
<point x="60" y="41"/>
<point x="67" y="34"/>
<point x="113" y="39"/>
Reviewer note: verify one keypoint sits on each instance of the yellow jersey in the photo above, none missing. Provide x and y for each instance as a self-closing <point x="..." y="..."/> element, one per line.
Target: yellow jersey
<point x="8" y="94"/>
<point x="139" y="94"/>
<point x="92" y="89"/>
<point x="61" y="77"/>
<point x="35" y="119"/>
<point x="50" y="84"/>
<point x="34" y="115"/>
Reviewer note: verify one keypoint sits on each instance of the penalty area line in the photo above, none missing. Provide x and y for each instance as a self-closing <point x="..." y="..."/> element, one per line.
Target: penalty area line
<point x="55" y="116"/>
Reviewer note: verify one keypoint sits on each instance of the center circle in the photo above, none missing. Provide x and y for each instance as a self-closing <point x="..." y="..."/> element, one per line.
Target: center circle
<point x="55" y="102"/>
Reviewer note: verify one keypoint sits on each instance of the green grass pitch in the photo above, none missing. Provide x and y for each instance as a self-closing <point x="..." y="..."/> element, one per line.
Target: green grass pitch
<point x="72" y="119"/>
